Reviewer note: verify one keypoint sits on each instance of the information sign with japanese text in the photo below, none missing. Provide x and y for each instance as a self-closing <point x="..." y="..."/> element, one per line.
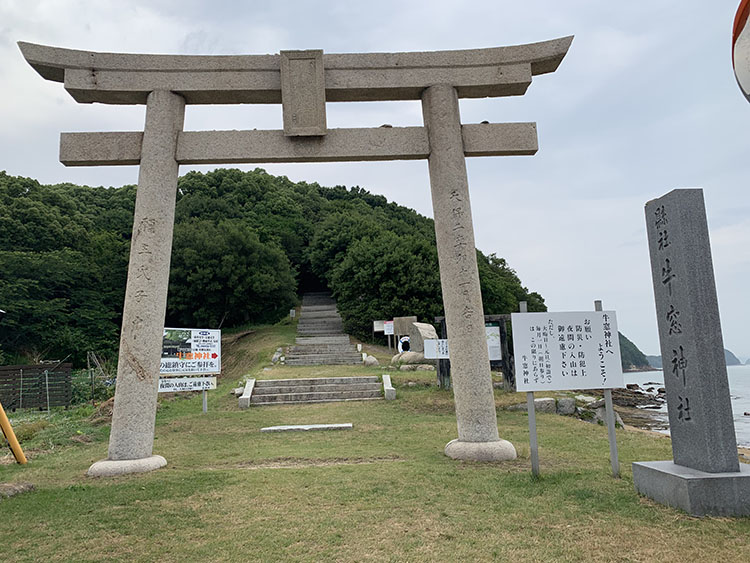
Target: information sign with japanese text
<point x="438" y="349"/>
<point x="493" y="343"/>
<point x="378" y="326"/>
<point x="178" y="384"/>
<point x="190" y="351"/>
<point x="563" y="351"/>
<point x="388" y="327"/>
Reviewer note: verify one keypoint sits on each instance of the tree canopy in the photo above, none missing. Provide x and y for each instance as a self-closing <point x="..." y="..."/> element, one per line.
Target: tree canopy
<point x="246" y="244"/>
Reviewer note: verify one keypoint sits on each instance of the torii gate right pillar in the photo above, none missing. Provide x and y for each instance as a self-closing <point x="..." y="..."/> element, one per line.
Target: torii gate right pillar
<point x="478" y="438"/>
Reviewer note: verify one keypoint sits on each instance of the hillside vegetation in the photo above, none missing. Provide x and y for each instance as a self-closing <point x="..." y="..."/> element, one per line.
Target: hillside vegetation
<point x="245" y="245"/>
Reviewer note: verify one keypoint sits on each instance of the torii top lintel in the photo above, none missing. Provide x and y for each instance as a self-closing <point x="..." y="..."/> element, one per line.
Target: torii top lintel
<point x="118" y="78"/>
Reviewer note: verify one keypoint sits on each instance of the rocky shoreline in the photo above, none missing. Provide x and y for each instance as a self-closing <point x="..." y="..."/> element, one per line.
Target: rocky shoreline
<point x="642" y="407"/>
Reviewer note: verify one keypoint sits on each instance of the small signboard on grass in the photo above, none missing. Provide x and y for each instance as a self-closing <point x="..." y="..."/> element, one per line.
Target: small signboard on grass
<point x="190" y="351"/>
<point x="178" y="384"/>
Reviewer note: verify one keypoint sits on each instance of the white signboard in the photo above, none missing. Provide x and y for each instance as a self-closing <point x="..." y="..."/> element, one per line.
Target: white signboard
<point x="493" y="343"/>
<point x="562" y="351"/>
<point x="190" y="351"/>
<point x="177" y="384"/>
<point x="388" y="327"/>
<point x="378" y="326"/>
<point x="438" y="349"/>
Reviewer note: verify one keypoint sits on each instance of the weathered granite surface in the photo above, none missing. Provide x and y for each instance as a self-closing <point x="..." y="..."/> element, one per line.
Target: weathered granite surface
<point x="695" y="373"/>
<point x="706" y="476"/>
<point x="134" y="414"/>
<point x="459" y="277"/>
<point x="418" y="333"/>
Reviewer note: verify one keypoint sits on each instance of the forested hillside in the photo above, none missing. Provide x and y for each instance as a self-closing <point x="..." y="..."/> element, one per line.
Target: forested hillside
<point x="245" y="245"/>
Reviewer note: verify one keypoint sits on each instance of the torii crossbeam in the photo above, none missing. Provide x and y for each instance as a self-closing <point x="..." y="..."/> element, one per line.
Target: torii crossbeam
<point x="303" y="82"/>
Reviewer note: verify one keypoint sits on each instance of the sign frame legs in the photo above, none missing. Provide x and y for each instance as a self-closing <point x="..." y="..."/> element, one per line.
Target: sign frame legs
<point x="531" y="409"/>
<point x="610" y="410"/>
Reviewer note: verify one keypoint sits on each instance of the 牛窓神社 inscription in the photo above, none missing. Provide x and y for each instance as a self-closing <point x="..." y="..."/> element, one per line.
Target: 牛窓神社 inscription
<point x="303" y="82"/>
<point x="706" y="476"/>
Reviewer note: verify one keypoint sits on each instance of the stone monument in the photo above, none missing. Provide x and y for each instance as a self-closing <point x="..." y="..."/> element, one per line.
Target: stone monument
<point x="303" y="82"/>
<point x="705" y="477"/>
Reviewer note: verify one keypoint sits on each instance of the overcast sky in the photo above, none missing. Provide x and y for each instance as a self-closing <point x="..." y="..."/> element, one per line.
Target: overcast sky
<point x="644" y="102"/>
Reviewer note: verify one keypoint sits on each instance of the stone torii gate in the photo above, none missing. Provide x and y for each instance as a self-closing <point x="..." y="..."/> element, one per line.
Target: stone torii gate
<point x="303" y="82"/>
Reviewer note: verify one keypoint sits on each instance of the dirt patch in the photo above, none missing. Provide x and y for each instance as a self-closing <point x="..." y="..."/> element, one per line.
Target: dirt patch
<point x="8" y="490"/>
<point x="231" y="338"/>
<point x="103" y="413"/>
<point x="299" y="463"/>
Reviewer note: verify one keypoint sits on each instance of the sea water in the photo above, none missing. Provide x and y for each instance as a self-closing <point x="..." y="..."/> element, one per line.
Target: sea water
<point x="739" y="392"/>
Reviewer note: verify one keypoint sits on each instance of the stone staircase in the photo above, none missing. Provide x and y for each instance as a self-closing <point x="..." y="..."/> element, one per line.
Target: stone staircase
<point x="320" y="335"/>
<point x="316" y="390"/>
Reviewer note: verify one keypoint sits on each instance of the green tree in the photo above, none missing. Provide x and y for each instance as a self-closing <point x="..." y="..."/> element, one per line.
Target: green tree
<point x="223" y="274"/>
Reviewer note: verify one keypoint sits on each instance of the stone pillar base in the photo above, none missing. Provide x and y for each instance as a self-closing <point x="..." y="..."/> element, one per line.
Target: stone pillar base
<point x="696" y="492"/>
<point x="499" y="450"/>
<point x="110" y="468"/>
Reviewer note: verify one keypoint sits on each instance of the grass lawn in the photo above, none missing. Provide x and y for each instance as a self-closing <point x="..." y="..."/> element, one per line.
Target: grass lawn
<point x="383" y="491"/>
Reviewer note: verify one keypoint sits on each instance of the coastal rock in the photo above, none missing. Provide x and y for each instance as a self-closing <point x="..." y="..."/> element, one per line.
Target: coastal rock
<point x="585" y="398"/>
<point x="600" y="417"/>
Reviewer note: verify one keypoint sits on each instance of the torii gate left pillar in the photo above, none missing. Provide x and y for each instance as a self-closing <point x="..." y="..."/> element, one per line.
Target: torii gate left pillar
<point x="303" y="81"/>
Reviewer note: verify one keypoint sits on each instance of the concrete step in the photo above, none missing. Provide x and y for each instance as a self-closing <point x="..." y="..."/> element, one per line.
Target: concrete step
<point x="342" y="339"/>
<point x="320" y="316"/>
<point x="332" y="388"/>
<point x="337" y="325"/>
<point x="323" y="362"/>
<point x="258" y="398"/>
<point x="316" y="348"/>
<point x="324" y="353"/>
<point x="315" y="401"/>
<point x="318" y="302"/>
<point x="318" y="309"/>
<point x="317" y="380"/>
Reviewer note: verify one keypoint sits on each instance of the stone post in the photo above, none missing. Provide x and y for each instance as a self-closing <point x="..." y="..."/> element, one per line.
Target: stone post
<point x="132" y="436"/>
<point x="705" y="477"/>
<point x="476" y="418"/>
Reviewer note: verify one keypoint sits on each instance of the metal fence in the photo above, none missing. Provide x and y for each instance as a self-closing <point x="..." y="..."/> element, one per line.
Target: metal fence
<point x="35" y="386"/>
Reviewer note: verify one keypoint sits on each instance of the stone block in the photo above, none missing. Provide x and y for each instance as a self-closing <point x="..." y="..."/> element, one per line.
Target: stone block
<point x="244" y="400"/>
<point x="307" y="427"/>
<point x="696" y="492"/>
<point x="112" y="468"/>
<point x="566" y="406"/>
<point x="388" y="390"/>
<point x="695" y="374"/>
<point x="418" y="333"/>
<point x="547" y="405"/>
<point x="303" y="94"/>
